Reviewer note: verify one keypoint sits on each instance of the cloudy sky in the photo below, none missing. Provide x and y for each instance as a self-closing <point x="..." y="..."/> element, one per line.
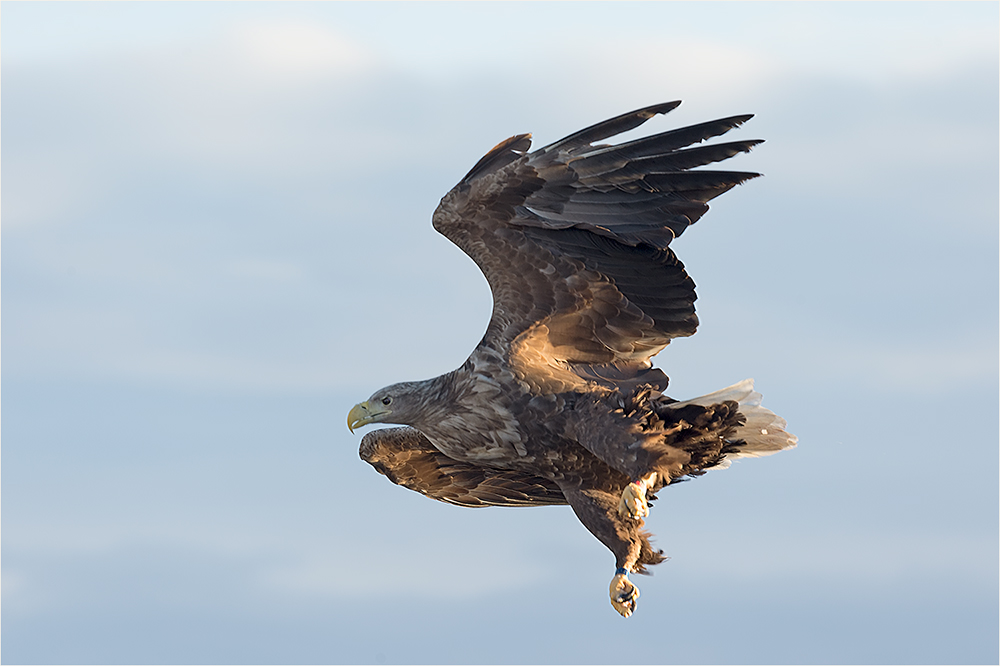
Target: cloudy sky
<point x="216" y="239"/>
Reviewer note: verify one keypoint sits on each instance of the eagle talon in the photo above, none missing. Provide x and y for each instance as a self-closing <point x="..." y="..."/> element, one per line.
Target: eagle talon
<point x="633" y="502"/>
<point x="624" y="594"/>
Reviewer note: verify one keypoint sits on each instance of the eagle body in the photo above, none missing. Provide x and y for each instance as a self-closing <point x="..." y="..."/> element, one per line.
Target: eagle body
<point x="559" y="403"/>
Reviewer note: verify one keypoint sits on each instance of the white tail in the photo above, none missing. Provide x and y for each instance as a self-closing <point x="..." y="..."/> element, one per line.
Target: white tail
<point x="763" y="432"/>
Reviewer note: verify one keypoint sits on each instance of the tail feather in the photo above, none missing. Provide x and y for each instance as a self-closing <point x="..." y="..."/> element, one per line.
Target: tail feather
<point x="762" y="434"/>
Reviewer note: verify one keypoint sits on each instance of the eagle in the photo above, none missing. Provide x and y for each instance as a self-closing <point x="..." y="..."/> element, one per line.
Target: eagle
<point x="560" y="402"/>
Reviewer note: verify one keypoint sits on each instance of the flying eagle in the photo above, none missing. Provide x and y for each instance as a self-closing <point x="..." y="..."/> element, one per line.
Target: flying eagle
<point x="559" y="402"/>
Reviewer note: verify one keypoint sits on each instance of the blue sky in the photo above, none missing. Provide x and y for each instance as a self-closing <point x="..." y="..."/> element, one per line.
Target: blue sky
<point x="216" y="239"/>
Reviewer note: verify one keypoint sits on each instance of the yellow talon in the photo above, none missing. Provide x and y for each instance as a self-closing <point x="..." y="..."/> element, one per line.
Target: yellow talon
<point x="633" y="502"/>
<point x="623" y="594"/>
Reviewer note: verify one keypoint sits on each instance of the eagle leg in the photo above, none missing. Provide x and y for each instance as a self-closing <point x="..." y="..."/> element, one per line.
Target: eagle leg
<point x="597" y="509"/>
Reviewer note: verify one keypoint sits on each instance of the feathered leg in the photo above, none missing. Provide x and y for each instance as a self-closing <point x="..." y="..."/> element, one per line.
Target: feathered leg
<point x="625" y="440"/>
<point x="662" y="440"/>
<point x="598" y="511"/>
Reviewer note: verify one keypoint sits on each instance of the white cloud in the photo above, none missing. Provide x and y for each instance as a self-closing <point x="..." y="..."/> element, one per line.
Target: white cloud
<point x="297" y="51"/>
<point x="704" y="72"/>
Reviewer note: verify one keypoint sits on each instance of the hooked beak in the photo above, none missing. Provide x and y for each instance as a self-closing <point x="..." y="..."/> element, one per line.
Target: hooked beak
<point x="362" y="414"/>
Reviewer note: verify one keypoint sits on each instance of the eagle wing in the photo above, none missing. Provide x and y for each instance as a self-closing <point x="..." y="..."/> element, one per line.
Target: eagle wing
<point x="408" y="459"/>
<point x="573" y="239"/>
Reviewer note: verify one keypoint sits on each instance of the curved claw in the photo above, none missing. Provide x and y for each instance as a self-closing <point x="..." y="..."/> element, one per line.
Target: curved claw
<point x="623" y="594"/>
<point x="633" y="502"/>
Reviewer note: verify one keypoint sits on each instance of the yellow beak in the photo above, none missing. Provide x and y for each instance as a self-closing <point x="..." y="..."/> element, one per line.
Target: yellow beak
<point x="362" y="414"/>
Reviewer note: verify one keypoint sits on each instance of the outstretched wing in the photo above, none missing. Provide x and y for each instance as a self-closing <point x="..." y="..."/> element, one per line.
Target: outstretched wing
<point x="408" y="459"/>
<point x="573" y="239"/>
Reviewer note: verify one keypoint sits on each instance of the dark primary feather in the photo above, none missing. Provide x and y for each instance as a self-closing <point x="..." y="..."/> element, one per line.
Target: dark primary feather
<point x="658" y="145"/>
<point x="408" y="459"/>
<point x="611" y="127"/>
<point x="651" y="161"/>
<point x="573" y="239"/>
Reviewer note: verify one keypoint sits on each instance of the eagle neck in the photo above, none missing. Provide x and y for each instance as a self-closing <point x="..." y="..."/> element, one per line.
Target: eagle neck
<point x="440" y="400"/>
<point x="470" y="419"/>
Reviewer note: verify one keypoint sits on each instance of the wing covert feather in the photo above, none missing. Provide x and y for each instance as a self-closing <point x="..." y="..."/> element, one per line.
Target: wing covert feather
<point x="408" y="459"/>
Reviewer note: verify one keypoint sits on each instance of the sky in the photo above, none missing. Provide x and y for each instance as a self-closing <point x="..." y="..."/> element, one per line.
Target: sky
<point x="216" y="239"/>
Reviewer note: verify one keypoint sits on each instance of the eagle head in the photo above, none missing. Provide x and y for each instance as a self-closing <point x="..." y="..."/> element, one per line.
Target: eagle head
<point x="399" y="403"/>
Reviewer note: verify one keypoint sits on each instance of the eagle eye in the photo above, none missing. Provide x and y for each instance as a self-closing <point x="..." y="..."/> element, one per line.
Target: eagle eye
<point x="386" y="400"/>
